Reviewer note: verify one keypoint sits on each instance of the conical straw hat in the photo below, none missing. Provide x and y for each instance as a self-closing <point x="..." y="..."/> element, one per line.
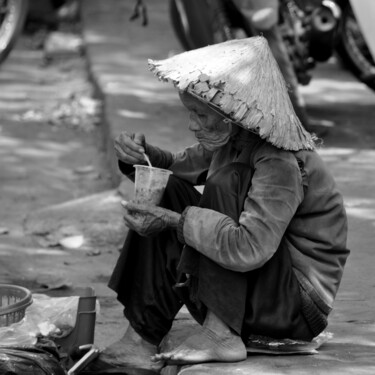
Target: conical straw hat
<point x="241" y="79"/>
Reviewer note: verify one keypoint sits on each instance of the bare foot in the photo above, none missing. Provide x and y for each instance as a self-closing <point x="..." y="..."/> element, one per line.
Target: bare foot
<point x="206" y="346"/>
<point x="130" y="351"/>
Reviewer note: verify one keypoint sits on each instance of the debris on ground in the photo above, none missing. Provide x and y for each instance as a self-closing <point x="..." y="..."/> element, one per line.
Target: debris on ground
<point x="74" y="105"/>
<point x="33" y="115"/>
<point x="67" y="237"/>
<point x="60" y="43"/>
<point x="49" y="282"/>
<point x="77" y="111"/>
<point x="4" y="230"/>
<point x="84" y="224"/>
<point x="86" y="169"/>
<point x="69" y="11"/>
<point x="72" y="242"/>
<point x="92" y="253"/>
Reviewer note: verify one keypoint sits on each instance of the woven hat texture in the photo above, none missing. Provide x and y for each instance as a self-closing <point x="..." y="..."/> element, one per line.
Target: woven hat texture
<point x="242" y="80"/>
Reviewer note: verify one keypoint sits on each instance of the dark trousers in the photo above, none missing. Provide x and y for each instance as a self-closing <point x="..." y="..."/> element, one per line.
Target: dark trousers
<point x="265" y="301"/>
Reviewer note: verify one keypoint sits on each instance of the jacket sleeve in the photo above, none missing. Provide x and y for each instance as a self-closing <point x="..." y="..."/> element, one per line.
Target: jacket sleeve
<point x="273" y="198"/>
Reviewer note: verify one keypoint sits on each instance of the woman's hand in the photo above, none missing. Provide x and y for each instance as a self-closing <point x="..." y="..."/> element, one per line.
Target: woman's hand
<point x="148" y="220"/>
<point x="130" y="148"/>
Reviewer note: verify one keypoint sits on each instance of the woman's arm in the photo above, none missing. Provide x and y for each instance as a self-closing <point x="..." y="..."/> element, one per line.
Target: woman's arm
<point x="190" y="164"/>
<point x="159" y="158"/>
<point x="274" y="196"/>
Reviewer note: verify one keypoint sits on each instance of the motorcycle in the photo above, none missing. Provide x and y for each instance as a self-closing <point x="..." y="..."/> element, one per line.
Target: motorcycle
<point x="312" y="31"/>
<point x="356" y="42"/>
<point x="12" y="19"/>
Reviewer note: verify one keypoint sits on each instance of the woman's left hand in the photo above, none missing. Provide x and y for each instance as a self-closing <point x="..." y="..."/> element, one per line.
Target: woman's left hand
<point x="148" y="220"/>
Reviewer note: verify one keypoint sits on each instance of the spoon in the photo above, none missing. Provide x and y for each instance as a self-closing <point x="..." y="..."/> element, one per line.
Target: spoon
<point x="147" y="160"/>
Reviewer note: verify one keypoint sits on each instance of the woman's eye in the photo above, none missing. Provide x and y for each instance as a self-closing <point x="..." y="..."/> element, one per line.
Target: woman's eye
<point x="200" y="116"/>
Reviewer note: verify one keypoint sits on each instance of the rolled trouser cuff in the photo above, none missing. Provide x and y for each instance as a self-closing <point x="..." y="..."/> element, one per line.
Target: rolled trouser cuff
<point x="316" y="319"/>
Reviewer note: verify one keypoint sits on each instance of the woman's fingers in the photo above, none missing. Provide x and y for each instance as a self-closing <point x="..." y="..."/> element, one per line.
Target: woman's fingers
<point x="141" y="208"/>
<point x="133" y="221"/>
<point x="140" y="140"/>
<point x="131" y="209"/>
<point x="136" y="207"/>
<point x="127" y="155"/>
<point x="130" y="147"/>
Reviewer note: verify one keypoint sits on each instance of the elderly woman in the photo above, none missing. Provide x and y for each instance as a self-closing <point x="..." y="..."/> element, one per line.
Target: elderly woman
<point x="262" y="250"/>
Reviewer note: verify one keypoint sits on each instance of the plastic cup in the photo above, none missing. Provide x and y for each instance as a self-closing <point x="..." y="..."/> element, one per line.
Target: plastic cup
<point x="150" y="183"/>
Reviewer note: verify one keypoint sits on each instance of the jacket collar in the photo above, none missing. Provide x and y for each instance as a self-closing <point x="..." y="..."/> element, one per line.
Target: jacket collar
<point x="245" y="139"/>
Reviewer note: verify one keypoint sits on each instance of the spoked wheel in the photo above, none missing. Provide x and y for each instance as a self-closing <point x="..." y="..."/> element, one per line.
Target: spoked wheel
<point x="353" y="50"/>
<point x="12" y="19"/>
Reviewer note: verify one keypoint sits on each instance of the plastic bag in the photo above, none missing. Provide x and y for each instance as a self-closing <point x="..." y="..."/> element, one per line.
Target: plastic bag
<point x="267" y="345"/>
<point x="43" y="360"/>
<point x="46" y="317"/>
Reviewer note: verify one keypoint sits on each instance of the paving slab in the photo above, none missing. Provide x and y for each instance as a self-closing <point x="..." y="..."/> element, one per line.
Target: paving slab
<point x="118" y="50"/>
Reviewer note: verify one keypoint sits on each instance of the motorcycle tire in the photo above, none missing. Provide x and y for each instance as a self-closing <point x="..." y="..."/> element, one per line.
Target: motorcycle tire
<point x="352" y="49"/>
<point x="189" y="23"/>
<point x="198" y="23"/>
<point x="12" y="19"/>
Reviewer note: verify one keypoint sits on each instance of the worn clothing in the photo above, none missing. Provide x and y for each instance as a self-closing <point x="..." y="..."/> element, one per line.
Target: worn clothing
<point x="151" y="286"/>
<point x="292" y="201"/>
<point x="146" y="271"/>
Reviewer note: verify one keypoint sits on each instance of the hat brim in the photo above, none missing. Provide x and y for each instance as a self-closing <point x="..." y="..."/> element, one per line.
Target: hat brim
<point x="241" y="80"/>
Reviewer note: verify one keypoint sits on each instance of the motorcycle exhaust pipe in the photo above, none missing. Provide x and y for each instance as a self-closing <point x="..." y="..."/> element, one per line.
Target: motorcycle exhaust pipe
<point x="325" y="18"/>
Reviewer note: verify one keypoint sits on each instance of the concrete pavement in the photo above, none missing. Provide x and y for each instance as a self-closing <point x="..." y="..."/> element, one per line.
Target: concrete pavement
<point x="117" y="51"/>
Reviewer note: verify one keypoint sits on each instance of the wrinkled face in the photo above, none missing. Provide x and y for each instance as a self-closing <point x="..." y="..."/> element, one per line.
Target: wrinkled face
<point x="208" y="126"/>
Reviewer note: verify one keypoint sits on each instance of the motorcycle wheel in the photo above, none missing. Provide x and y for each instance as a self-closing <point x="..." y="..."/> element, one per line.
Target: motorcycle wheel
<point x="189" y="22"/>
<point x="12" y="19"/>
<point x="353" y="51"/>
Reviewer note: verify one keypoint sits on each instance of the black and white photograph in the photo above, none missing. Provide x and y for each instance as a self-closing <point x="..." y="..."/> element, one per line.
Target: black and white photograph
<point x="187" y="187"/>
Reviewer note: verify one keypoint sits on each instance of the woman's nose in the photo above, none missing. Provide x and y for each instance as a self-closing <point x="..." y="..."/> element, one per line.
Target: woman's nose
<point x="193" y="124"/>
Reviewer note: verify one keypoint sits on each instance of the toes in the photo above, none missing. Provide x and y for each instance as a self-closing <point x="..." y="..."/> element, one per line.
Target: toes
<point x="160" y="357"/>
<point x="168" y="355"/>
<point x="188" y="356"/>
<point x="156" y="358"/>
<point x="175" y="357"/>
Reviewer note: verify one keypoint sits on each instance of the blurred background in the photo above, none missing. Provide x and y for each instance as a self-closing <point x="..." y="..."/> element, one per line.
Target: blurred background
<point x="74" y="74"/>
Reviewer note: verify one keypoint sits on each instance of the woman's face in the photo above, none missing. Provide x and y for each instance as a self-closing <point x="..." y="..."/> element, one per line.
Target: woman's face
<point x="208" y="126"/>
